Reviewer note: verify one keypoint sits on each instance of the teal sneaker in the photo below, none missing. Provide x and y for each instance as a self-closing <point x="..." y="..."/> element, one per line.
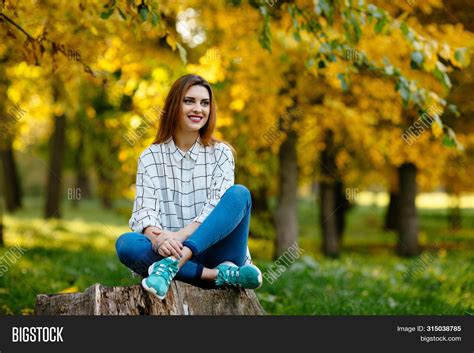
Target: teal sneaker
<point x="160" y="275"/>
<point x="248" y="276"/>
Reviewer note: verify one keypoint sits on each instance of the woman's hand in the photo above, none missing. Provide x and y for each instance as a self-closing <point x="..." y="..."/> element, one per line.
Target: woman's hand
<point x="165" y="242"/>
<point x="170" y="247"/>
<point x="152" y="233"/>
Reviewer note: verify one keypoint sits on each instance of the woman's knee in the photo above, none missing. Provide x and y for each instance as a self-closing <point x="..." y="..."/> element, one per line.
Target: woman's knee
<point x="241" y="192"/>
<point x="126" y="246"/>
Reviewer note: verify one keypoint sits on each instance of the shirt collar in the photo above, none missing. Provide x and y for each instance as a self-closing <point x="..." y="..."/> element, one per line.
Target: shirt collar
<point x="193" y="152"/>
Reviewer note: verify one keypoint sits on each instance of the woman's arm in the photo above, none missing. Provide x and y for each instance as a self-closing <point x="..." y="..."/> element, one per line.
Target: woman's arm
<point x="146" y="205"/>
<point x="186" y="232"/>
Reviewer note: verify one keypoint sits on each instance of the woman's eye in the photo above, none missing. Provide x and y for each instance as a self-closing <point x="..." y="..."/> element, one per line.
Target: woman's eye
<point x="190" y="101"/>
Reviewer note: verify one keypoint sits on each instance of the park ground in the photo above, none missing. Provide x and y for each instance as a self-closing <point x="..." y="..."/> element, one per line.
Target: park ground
<point x="71" y="254"/>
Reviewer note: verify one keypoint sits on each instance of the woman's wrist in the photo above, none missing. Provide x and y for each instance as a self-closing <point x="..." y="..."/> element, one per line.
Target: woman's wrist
<point x="181" y="235"/>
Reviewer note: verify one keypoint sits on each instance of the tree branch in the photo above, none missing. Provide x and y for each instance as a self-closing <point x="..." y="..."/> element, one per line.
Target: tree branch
<point x="16" y="25"/>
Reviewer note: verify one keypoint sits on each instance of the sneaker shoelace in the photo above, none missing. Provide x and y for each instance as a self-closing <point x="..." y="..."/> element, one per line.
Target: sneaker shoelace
<point x="163" y="271"/>
<point x="231" y="276"/>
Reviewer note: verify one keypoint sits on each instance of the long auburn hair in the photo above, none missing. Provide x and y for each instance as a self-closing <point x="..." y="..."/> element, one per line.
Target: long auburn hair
<point x="171" y="112"/>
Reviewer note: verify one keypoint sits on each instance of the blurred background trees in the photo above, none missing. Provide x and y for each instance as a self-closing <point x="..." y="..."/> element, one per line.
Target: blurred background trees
<point x="314" y="95"/>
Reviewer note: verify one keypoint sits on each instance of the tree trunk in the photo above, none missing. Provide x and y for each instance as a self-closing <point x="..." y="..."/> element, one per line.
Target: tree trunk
<point x="3" y="144"/>
<point x="182" y="299"/>
<point x="2" y="189"/>
<point x="11" y="182"/>
<point x="331" y="245"/>
<point x="105" y="151"/>
<point x="286" y="214"/>
<point x="391" y="217"/>
<point x="342" y="205"/>
<point x="408" y="218"/>
<point x="2" y="243"/>
<point x="105" y="187"/>
<point x="54" y="184"/>
<point x="82" y="179"/>
<point x="260" y="200"/>
<point x="104" y="159"/>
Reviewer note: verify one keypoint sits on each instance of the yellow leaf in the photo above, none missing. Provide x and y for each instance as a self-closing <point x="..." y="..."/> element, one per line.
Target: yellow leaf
<point x="171" y="42"/>
<point x="27" y="311"/>
<point x="72" y="289"/>
<point x="437" y="130"/>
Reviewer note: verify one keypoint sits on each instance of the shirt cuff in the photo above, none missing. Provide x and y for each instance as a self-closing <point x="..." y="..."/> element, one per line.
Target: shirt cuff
<point x="140" y="227"/>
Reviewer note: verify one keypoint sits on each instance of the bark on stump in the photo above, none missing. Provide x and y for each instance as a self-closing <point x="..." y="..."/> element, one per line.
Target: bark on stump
<point x="182" y="299"/>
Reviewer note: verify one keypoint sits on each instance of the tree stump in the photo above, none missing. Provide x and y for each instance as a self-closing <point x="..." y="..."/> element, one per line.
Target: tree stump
<point x="182" y="299"/>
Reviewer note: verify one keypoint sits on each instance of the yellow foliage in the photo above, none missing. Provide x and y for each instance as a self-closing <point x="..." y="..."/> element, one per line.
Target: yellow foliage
<point x="160" y="74"/>
<point x="237" y="105"/>
<point x="72" y="289"/>
<point x="437" y="129"/>
<point x="255" y="88"/>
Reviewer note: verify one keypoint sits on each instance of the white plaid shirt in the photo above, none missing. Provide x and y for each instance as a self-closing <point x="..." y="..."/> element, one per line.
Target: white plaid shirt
<point x="174" y="188"/>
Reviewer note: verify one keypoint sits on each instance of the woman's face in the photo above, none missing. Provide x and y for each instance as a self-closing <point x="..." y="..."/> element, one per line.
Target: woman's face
<point x="195" y="109"/>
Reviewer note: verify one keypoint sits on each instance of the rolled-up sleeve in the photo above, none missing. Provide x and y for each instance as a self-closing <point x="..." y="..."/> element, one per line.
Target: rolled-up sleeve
<point x="146" y="205"/>
<point x="222" y="179"/>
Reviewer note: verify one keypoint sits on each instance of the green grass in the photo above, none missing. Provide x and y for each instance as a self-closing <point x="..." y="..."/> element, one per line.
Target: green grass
<point x="75" y="252"/>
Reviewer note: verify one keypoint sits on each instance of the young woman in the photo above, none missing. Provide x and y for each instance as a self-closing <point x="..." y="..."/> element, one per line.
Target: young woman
<point x="189" y="220"/>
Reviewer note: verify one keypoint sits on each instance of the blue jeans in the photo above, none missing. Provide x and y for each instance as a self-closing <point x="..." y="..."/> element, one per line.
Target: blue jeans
<point x="223" y="236"/>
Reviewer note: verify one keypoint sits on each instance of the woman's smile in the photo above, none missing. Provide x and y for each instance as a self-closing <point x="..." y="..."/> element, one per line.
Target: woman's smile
<point x="195" y="118"/>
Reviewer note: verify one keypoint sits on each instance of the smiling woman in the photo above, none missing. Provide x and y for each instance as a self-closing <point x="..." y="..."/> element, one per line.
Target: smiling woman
<point x="189" y="220"/>
<point x="190" y="96"/>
